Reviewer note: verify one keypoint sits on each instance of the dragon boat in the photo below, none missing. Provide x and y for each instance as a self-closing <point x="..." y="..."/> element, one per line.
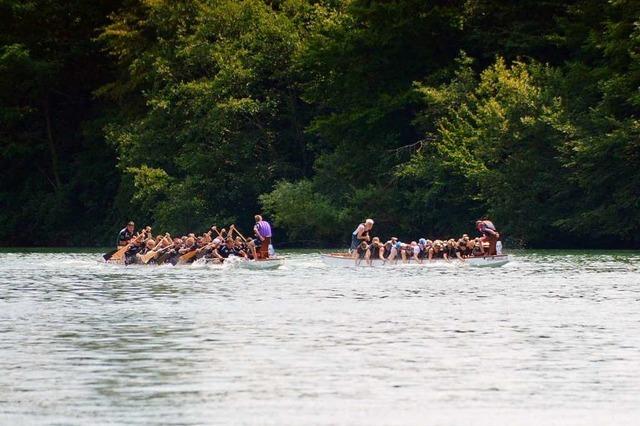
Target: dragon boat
<point x="236" y="262"/>
<point x="347" y="260"/>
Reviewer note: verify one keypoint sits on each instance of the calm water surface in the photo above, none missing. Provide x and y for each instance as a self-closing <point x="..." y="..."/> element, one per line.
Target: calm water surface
<point x="552" y="338"/>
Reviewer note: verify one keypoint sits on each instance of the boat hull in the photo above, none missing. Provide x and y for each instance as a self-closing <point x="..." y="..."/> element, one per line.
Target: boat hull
<point x="344" y="260"/>
<point x="260" y="265"/>
<point x="263" y="264"/>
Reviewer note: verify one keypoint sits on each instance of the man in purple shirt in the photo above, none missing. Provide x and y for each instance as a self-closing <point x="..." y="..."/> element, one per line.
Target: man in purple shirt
<point x="263" y="232"/>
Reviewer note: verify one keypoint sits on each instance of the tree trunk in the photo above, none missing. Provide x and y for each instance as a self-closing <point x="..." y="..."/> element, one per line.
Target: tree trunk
<point x="299" y="133"/>
<point x="52" y="146"/>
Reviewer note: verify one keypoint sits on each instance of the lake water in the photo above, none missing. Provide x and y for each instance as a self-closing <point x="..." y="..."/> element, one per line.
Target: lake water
<point x="551" y="338"/>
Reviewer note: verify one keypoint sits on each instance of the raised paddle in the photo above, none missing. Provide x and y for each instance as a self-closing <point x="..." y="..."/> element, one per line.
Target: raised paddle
<point x="251" y="246"/>
<point x="233" y="227"/>
<point x="217" y="232"/>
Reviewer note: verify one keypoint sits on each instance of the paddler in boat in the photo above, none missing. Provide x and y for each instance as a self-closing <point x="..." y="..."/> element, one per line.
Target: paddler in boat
<point x="149" y="245"/>
<point x="228" y="249"/>
<point x="137" y="245"/>
<point x="413" y="252"/>
<point x="210" y="252"/>
<point x="361" y="252"/>
<point x="476" y="247"/>
<point x="126" y="234"/>
<point x="241" y="248"/>
<point x="375" y="250"/>
<point x="489" y="234"/>
<point x="451" y="250"/>
<point x="189" y="245"/>
<point x="437" y="250"/>
<point x="361" y="234"/>
<point x="463" y="248"/>
<point x="388" y="247"/>
<point x="173" y="253"/>
<point x="396" y="250"/>
<point x="424" y="245"/>
<point x="262" y="229"/>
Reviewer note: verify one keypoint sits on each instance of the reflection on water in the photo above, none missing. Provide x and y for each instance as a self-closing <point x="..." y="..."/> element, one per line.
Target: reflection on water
<point x="551" y="337"/>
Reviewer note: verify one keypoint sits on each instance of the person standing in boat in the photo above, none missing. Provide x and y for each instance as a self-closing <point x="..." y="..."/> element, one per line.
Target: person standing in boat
<point x="126" y="234"/>
<point x="361" y="234"/>
<point x="489" y="234"/>
<point x="262" y="229"/>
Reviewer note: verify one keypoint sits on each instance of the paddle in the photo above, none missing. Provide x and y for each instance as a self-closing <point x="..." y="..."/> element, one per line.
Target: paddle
<point x="166" y="255"/>
<point x="187" y="256"/>
<point x="251" y="245"/>
<point x="233" y="228"/>
<point x="119" y="253"/>
<point x="108" y="255"/>
<point x="217" y="232"/>
<point x="146" y="258"/>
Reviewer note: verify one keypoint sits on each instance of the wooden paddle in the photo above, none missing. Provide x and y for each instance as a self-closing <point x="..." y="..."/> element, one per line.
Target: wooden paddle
<point x="164" y="256"/>
<point x="218" y="232"/>
<point x="119" y="254"/>
<point x="187" y="256"/>
<point x="108" y="255"/>
<point x="146" y="258"/>
<point x="233" y="227"/>
<point x="251" y="247"/>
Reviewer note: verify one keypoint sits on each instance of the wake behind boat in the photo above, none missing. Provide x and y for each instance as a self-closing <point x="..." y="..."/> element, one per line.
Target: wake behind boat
<point x="347" y="260"/>
<point x="259" y="264"/>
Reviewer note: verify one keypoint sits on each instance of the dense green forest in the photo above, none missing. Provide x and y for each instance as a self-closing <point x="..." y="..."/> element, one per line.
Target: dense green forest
<point x="424" y="115"/>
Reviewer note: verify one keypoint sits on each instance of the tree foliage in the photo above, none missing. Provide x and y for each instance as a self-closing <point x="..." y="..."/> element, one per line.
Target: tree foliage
<point x="423" y="115"/>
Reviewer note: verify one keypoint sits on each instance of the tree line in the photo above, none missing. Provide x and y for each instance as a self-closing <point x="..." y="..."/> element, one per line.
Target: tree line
<point x="425" y="115"/>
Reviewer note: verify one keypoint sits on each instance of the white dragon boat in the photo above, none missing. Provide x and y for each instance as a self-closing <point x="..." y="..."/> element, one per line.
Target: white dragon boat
<point x="347" y="260"/>
<point x="235" y="262"/>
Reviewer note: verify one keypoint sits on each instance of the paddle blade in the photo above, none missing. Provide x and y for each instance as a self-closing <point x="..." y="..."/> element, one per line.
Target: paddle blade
<point x="147" y="257"/>
<point x="107" y="256"/>
<point x="119" y="254"/>
<point x="187" y="256"/>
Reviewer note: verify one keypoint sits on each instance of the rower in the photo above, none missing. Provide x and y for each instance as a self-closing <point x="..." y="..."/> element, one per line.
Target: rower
<point x="361" y="233"/>
<point x="262" y="229"/>
<point x="489" y="233"/>
<point x="227" y="249"/>
<point x="361" y="252"/>
<point x="126" y="234"/>
<point x="376" y="250"/>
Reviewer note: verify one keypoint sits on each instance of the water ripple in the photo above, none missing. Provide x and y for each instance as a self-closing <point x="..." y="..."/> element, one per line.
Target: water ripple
<point x="552" y="333"/>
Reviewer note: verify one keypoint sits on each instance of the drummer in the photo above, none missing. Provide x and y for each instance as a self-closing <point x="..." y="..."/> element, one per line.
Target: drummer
<point x="489" y="234"/>
<point x="361" y="234"/>
<point x="262" y="229"/>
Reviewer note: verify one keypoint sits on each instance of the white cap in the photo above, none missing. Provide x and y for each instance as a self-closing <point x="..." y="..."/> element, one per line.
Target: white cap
<point x="369" y="221"/>
<point x="217" y="241"/>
